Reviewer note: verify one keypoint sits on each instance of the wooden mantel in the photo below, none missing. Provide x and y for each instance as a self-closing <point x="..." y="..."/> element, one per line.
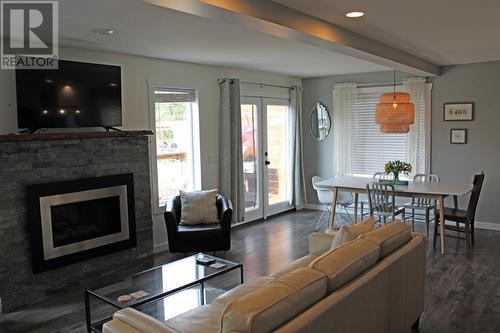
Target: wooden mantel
<point x="71" y="136"/>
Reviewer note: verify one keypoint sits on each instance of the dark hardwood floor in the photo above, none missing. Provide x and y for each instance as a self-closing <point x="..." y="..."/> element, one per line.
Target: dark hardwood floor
<point x="463" y="291"/>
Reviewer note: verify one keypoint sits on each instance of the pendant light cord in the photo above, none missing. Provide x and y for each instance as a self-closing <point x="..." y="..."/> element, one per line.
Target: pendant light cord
<point x="394" y="95"/>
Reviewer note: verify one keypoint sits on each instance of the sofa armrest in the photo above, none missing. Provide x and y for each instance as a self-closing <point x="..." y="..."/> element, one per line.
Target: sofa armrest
<point x="320" y="242"/>
<point x="129" y="320"/>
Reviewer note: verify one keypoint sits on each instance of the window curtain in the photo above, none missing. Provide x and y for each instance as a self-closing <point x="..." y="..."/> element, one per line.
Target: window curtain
<point x="344" y="101"/>
<point x="298" y="186"/>
<point x="230" y="149"/>
<point x="416" y="141"/>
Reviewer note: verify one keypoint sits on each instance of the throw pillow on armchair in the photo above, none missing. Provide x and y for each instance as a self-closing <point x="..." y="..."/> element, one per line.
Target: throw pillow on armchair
<point x="199" y="207"/>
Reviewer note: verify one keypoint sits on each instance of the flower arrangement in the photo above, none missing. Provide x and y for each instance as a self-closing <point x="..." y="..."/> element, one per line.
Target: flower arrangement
<point x="397" y="167"/>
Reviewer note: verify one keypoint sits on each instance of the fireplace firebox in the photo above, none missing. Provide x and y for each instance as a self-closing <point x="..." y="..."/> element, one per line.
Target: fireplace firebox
<point x="77" y="220"/>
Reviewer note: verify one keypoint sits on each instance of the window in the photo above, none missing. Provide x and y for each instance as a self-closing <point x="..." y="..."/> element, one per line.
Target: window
<point x="371" y="149"/>
<point x="176" y="130"/>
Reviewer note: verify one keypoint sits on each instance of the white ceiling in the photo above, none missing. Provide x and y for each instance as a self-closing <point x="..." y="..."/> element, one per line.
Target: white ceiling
<point x="444" y="32"/>
<point x="152" y="31"/>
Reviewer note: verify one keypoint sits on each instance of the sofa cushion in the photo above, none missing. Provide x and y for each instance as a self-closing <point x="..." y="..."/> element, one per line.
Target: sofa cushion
<point x="389" y="237"/>
<point x="362" y="227"/>
<point x="343" y="236"/>
<point x="344" y="263"/>
<point x="275" y="303"/>
<point x="206" y="319"/>
<point x="199" y="207"/>
<point x="349" y="233"/>
<point x="299" y="263"/>
<point x="133" y="321"/>
<point x="242" y="290"/>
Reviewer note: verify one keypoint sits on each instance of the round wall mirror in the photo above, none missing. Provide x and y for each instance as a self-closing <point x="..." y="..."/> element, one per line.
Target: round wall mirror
<point x="319" y="121"/>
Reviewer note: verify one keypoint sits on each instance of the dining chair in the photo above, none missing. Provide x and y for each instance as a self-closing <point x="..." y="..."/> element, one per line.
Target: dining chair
<point x="325" y="197"/>
<point x="364" y="201"/>
<point x="459" y="216"/>
<point x="382" y="201"/>
<point x="422" y="205"/>
<point x="382" y="175"/>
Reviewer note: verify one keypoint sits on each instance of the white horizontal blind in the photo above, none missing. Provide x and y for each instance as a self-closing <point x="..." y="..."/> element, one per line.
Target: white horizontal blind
<point x="175" y="95"/>
<point x="424" y="144"/>
<point x="371" y="149"/>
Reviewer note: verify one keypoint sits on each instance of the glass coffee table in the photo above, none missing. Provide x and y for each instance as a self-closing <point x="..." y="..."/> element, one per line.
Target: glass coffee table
<point x="170" y="289"/>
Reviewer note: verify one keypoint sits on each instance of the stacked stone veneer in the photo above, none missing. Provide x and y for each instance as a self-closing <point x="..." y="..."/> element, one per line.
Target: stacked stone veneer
<point x="24" y="163"/>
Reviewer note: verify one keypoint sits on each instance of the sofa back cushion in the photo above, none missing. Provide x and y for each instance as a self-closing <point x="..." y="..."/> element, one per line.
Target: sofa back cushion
<point x="344" y="263"/>
<point x="349" y="233"/>
<point x="273" y="304"/>
<point x="362" y="227"/>
<point x="389" y="237"/>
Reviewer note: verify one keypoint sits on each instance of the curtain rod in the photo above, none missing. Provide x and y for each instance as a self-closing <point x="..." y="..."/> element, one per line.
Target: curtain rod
<point x="385" y="84"/>
<point x="259" y="84"/>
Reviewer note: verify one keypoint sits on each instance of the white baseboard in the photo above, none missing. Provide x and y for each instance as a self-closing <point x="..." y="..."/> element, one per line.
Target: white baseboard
<point x="313" y="206"/>
<point x="487" y="225"/>
<point x="157" y="248"/>
<point x="477" y="224"/>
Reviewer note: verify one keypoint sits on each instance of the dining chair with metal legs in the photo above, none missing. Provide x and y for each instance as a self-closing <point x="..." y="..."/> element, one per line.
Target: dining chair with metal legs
<point x="325" y="197"/>
<point x="419" y="205"/>
<point x="382" y="201"/>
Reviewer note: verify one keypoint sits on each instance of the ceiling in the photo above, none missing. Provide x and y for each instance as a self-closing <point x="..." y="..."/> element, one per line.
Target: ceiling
<point x="444" y="32"/>
<point x="151" y="31"/>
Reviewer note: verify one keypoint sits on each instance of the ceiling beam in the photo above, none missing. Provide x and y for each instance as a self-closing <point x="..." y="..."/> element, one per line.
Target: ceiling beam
<point x="278" y="20"/>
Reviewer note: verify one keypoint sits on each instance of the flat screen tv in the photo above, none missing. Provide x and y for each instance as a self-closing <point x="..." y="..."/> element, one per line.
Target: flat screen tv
<point x="75" y="95"/>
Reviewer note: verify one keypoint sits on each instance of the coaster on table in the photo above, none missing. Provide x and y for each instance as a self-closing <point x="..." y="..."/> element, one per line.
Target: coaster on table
<point x="217" y="265"/>
<point x="124" y="298"/>
<point x="139" y="294"/>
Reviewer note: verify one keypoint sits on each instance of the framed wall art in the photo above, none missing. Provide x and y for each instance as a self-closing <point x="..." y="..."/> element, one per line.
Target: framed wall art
<point x="458" y="136"/>
<point x="458" y="111"/>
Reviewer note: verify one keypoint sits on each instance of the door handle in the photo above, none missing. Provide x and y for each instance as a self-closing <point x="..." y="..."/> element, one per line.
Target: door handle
<point x="267" y="162"/>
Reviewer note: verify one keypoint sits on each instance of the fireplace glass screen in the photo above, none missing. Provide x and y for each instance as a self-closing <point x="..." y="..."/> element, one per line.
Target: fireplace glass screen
<point x="79" y="221"/>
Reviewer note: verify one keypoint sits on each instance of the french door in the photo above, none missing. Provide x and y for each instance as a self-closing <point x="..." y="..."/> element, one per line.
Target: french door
<point x="266" y="156"/>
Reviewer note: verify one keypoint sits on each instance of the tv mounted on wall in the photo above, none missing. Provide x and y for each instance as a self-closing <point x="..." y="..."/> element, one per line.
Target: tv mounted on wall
<point x="75" y="95"/>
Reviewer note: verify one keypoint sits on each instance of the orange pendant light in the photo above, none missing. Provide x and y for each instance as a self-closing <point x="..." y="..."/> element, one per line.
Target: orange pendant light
<point x="395" y="113"/>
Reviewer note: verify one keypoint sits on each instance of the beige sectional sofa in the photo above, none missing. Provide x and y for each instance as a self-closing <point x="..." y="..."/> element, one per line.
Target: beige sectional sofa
<point x="372" y="284"/>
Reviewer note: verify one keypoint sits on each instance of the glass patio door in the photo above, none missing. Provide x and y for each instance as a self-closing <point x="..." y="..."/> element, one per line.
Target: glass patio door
<point x="266" y="156"/>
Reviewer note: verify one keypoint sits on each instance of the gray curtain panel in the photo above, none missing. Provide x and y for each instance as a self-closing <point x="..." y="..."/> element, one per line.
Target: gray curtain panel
<point x="230" y="150"/>
<point x="297" y="174"/>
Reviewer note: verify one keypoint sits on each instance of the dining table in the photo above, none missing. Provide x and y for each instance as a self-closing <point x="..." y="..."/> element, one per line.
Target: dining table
<point x="428" y="190"/>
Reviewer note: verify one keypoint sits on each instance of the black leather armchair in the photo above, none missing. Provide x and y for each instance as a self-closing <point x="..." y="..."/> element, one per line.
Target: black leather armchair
<point x="200" y="237"/>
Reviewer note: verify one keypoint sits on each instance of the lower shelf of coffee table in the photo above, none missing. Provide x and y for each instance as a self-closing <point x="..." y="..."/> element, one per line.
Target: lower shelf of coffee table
<point x="173" y="305"/>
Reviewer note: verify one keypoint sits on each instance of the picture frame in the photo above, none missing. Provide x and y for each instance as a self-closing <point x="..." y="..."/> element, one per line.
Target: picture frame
<point x="458" y="136"/>
<point x="458" y="111"/>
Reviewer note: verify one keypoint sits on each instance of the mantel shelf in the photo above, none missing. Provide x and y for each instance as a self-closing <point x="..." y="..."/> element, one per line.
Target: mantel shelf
<point x="71" y="136"/>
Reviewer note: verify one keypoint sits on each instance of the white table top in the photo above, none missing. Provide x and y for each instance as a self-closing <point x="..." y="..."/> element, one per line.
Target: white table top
<point x="358" y="184"/>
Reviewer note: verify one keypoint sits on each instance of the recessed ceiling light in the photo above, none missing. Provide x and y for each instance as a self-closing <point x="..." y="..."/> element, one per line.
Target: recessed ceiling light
<point x="104" y="31"/>
<point x="355" y="14"/>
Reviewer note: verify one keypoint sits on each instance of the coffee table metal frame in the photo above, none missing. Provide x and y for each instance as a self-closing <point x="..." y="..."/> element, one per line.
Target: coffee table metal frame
<point x="200" y="282"/>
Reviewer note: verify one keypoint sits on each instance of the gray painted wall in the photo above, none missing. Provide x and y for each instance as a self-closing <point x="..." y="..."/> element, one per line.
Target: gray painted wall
<point x="478" y="83"/>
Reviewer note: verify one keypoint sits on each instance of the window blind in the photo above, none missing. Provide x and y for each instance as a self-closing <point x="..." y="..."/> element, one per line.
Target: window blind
<point x="175" y="95"/>
<point x="371" y="149"/>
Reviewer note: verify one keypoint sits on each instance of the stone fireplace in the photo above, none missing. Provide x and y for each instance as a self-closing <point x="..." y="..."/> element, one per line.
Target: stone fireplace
<point x="80" y="219"/>
<point x="78" y="167"/>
